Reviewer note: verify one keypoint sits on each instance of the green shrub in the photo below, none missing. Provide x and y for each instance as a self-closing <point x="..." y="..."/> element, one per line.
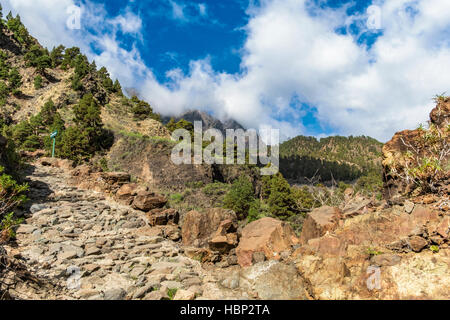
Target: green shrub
<point x="38" y="82"/>
<point x="434" y="248"/>
<point x="279" y="196"/>
<point x="181" y="124"/>
<point x="15" y="79"/>
<point x="240" y="197"/>
<point x="176" y="198"/>
<point x="12" y="194"/>
<point x="216" y="189"/>
<point x="8" y="223"/>
<point x="75" y="145"/>
<point x="370" y="184"/>
<point x="171" y="292"/>
<point x="258" y="209"/>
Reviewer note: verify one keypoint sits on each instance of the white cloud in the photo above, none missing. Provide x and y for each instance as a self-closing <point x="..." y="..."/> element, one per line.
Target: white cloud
<point x="287" y="53"/>
<point x="202" y="9"/>
<point x="177" y="10"/>
<point x="357" y="91"/>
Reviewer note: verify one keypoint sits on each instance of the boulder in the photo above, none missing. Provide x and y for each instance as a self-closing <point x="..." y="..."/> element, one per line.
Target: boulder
<point x="199" y="228"/>
<point x="126" y="193"/>
<point x="396" y="161"/>
<point x="161" y="217"/>
<point x="223" y="244"/>
<point x="443" y="229"/>
<point x="184" y="295"/>
<point x="417" y="243"/>
<point x="147" y="201"/>
<point x="225" y="237"/>
<point x="116" y="178"/>
<point x="409" y="206"/>
<point x="272" y="280"/>
<point x="385" y="260"/>
<point x="356" y="206"/>
<point x="267" y="235"/>
<point x="319" y="221"/>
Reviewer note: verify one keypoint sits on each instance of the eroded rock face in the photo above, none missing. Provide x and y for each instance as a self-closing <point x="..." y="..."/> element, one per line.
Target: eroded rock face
<point x="390" y="244"/>
<point x="198" y="228"/>
<point x="397" y="162"/>
<point x="268" y="236"/>
<point x="272" y="280"/>
<point x="126" y="193"/>
<point x="85" y="177"/>
<point x="225" y="238"/>
<point x="161" y="217"/>
<point x="151" y="162"/>
<point x="319" y="221"/>
<point x="147" y="201"/>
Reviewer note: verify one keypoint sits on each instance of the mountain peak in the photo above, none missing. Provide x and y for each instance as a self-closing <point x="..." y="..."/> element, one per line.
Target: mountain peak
<point x="208" y="121"/>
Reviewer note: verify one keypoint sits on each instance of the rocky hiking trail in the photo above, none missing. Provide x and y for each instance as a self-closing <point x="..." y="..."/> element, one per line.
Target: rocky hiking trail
<point x="84" y="245"/>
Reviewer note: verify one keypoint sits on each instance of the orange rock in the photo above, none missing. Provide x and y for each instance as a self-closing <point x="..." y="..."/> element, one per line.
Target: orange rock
<point x="198" y="228"/>
<point x="126" y="193"/>
<point x="147" y="201"/>
<point x="429" y="199"/>
<point x="444" y="228"/>
<point x="267" y="235"/>
<point x="319" y="221"/>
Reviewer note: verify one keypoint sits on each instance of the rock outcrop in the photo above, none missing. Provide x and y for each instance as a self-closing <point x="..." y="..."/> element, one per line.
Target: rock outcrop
<point x="198" y="229"/>
<point x="147" y="201"/>
<point x="263" y="239"/>
<point x="320" y="221"/>
<point x="387" y="246"/>
<point x="419" y="159"/>
<point x="150" y="161"/>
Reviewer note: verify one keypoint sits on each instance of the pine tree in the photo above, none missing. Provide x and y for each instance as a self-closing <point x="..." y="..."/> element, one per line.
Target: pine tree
<point x="57" y="56"/>
<point x="279" y="196"/>
<point x="15" y="79"/>
<point x="240" y="197"/>
<point x="117" y="87"/>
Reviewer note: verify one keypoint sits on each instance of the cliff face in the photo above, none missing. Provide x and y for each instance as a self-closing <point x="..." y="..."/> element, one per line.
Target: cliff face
<point x="417" y="161"/>
<point x="148" y="158"/>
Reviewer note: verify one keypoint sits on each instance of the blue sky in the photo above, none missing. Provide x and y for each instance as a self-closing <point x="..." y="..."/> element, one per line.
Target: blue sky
<point x="206" y="29"/>
<point x="312" y="67"/>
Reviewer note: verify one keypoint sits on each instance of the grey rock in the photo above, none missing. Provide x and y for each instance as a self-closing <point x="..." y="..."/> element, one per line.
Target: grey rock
<point x="37" y="207"/>
<point x="409" y="206"/>
<point x="115" y="294"/>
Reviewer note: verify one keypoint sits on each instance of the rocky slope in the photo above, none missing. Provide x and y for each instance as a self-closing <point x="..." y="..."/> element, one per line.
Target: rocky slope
<point x="398" y="249"/>
<point x="418" y="161"/>
<point x="80" y="244"/>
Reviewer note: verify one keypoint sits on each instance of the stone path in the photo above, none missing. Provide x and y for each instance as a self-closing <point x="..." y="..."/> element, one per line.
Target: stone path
<point x="91" y="247"/>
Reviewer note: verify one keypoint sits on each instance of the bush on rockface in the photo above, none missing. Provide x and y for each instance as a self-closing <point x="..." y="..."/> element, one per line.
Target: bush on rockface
<point x="12" y="194"/>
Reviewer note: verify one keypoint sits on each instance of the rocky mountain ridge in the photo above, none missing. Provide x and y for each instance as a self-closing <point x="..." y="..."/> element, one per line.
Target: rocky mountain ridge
<point x="208" y="121"/>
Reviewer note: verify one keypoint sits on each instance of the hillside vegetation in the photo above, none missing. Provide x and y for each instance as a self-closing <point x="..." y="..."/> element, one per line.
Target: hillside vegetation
<point x="332" y="158"/>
